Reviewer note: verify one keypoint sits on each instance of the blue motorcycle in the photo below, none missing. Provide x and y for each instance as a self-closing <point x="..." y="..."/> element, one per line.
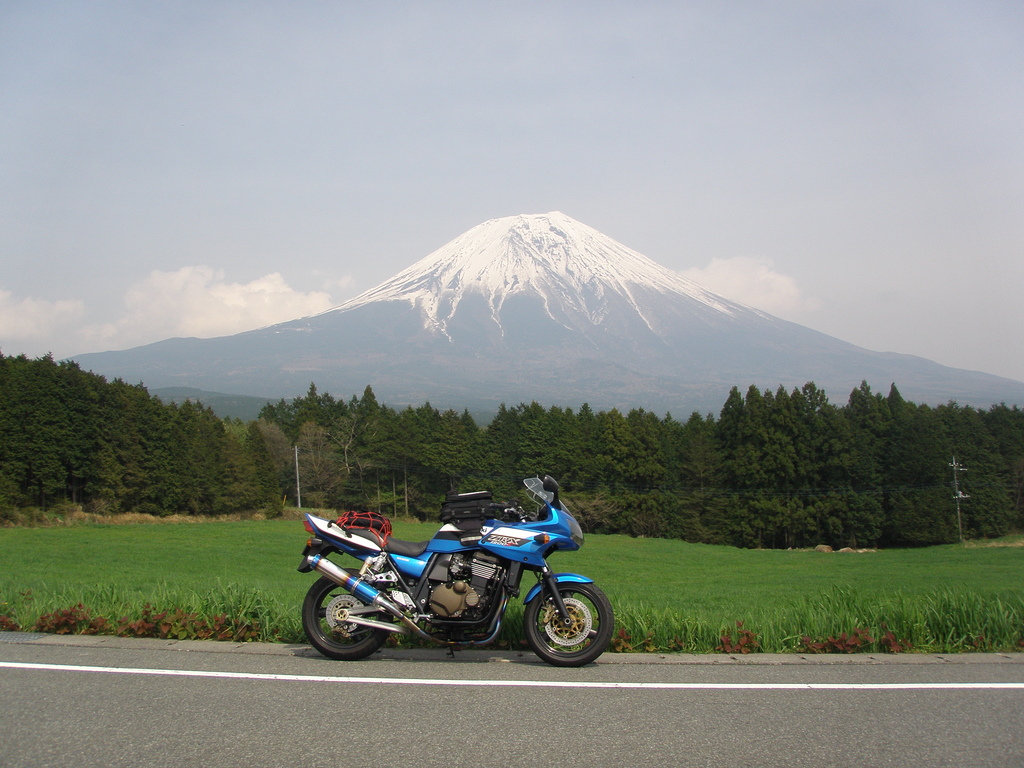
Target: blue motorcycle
<point x="454" y="589"/>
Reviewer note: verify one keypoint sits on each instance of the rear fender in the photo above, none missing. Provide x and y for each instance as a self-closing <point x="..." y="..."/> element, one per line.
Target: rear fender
<point x="358" y="546"/>
<point x="561" y="578"/>
<point x="314" y="547"/>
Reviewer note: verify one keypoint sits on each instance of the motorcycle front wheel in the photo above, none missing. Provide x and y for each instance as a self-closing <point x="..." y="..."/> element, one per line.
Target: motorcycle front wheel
<point x="582" y="640"/>
<point x="323" y="618"/>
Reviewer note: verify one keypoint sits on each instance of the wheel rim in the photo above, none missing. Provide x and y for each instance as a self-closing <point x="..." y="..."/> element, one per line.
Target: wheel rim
<point x="331" y="619"/>
<point x="579" y="629"/>
<point x="336" y="615"/>
<point x="579" y="634"/>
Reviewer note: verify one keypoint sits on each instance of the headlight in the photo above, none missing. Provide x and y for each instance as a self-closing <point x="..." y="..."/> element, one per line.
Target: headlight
<point x="575" y="532"/>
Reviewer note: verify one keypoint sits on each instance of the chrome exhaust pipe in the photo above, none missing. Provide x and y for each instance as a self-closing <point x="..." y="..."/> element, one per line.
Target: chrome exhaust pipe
<point x="369" y="594"/>
<point x="372" y="624"/>
<point x="354" y="584"/>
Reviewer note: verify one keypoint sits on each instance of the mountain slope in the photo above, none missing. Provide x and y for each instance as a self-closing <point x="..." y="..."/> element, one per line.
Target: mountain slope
<point x="541" y="308"/>
<point x="575" y="270"/>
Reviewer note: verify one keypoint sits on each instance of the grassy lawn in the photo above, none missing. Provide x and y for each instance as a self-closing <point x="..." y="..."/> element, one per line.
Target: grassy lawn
<point x="668" y="595"/>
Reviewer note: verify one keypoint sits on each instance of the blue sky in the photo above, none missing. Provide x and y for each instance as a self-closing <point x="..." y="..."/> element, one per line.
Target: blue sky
<point x="197" y="169"/>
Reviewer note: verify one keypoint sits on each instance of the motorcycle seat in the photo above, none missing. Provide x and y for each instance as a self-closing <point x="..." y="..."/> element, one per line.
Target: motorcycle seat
<point x="392" y="545"/>
<point x="406" y="548"/>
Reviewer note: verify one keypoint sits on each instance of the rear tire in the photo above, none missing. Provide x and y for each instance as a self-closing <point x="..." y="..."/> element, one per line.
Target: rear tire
<point x="337" y="639"/>
<point x="581" y="642"/>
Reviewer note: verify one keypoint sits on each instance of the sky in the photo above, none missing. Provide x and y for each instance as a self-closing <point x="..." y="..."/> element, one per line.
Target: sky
<point x="204" y="168"/>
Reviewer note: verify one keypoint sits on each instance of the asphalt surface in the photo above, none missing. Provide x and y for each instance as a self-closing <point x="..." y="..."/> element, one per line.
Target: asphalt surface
<point x="105" y="701"/>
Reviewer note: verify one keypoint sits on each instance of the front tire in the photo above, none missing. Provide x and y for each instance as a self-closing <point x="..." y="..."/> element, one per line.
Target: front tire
<point x="323" y="613"/>
<point x="584" y="639"/>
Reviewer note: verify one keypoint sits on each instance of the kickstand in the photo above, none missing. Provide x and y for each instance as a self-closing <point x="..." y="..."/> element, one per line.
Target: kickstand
<point x="451" y="651"/>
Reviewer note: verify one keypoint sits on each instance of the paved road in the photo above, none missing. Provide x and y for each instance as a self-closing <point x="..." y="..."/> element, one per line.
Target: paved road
<point x="87" y="701"/>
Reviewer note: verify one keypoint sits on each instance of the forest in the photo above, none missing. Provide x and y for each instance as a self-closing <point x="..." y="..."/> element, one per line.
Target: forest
<point x="774" y="469"/>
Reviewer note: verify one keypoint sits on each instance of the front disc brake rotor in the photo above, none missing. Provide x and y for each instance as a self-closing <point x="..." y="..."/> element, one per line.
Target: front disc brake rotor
<point x="336" y="614"/>
<point x="579" y="626"/>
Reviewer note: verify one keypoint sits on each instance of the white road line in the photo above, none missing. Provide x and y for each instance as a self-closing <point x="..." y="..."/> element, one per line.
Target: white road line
<point x="515" y="683"/>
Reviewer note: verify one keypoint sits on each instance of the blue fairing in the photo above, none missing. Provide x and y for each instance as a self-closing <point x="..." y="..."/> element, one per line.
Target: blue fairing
<point x="447" y="545"/>
<point x="410" y="566"/>
<point x="561" y="578"/>
<point x="531" y="541"/>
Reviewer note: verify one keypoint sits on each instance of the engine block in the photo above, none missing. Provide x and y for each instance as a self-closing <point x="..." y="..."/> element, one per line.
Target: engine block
<point x="469" y="586"/>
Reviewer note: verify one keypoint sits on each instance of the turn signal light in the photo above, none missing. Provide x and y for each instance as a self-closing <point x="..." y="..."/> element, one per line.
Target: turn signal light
<point x="542" y="538"/>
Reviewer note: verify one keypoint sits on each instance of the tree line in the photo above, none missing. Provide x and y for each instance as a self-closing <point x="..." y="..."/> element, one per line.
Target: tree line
<point x="783" y="468"/>
<point x="67" y="435"/>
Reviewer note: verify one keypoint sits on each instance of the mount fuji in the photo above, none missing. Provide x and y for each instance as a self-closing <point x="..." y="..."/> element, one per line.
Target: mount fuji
<point x="541" y="307"/>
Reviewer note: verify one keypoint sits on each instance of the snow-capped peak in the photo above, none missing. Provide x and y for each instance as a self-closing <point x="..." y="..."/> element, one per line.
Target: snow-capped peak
<point x="571" y="267"/>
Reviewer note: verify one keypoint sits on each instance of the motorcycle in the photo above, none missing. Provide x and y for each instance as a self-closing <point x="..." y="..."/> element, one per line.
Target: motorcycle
<point x="455" y="588"/>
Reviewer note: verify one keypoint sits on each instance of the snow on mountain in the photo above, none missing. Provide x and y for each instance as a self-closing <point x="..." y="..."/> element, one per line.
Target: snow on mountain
<point x="543" y="308"/>
<point x="572" y="268"/>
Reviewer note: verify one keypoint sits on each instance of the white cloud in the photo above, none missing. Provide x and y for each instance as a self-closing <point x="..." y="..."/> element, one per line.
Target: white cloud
<point x="31" y="323"/>
<point x="332" y="283"/>
<point x="197" y="301"/>
<point x="756" y="283"/>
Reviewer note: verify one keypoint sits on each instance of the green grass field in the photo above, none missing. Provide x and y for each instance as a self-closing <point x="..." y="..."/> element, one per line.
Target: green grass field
<point x="668" y="595"/>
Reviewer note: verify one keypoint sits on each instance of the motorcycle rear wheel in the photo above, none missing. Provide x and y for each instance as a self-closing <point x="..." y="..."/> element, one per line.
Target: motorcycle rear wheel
<point x="337" y="639"/>
<point x="582" y="641"/>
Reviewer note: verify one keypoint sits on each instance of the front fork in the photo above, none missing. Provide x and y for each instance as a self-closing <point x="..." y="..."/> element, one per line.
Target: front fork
<point x="551" y="583"/>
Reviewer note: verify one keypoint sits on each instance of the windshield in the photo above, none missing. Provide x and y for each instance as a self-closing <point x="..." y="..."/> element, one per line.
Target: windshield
<point x="536" y="487"/>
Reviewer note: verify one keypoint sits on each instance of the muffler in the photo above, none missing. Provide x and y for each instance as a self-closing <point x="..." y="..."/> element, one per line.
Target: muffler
<point x="368" y="594"/>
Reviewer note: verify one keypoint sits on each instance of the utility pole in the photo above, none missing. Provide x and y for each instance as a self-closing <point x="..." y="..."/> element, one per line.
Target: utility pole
<point x="298" y="488"/>
<point x="958" y="494"/>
